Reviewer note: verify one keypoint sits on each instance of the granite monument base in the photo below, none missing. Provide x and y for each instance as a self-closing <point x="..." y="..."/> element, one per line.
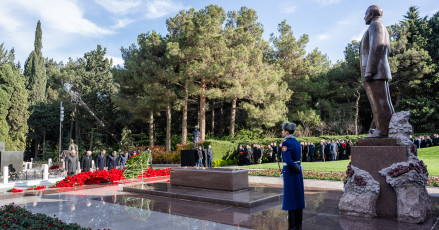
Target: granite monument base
<point x="246" y="198"/>
<point x="226" y="179"/>
<point x="372" y="155"/>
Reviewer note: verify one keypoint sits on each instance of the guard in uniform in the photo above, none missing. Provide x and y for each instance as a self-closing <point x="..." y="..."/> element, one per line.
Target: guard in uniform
<point x="294" y="193"/>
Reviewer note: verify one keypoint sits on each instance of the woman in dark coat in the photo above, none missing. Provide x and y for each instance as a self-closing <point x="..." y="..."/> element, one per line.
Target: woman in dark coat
<point x="112" y="161"/>
<point x="72" y="163"/>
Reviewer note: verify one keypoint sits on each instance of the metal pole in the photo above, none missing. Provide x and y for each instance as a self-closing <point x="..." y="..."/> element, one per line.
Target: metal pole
<point x="60" y="131"/>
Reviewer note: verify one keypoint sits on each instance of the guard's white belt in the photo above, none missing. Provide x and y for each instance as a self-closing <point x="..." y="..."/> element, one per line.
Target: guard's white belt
<point x="297" y="162"/>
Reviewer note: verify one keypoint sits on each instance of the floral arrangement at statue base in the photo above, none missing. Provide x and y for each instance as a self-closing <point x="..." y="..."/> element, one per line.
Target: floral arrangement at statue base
<point x="136" y="165"/>
<point x="361" y="192"/>
<point x="15" y="217"/>
<point x="409" y="179"/>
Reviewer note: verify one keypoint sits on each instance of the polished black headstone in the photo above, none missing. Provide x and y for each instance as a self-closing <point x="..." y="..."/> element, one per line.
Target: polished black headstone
<point x="12" y="159"/>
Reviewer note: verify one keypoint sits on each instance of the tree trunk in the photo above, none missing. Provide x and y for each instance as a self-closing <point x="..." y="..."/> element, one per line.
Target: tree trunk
<point x="198" y="117"/>
<point x="151" y="129"/>
<point x="44" y="143"/>
<point x="221" y="129"/>
<point x="203" y="110"/>
<point x="36" y="149"/>
<point x="232" y="118"/>
<point x="91" y="140"/>
<point x="71" y="125"/>
<point x="213" y="118"/>
<point x="357" y="102"/>
<point x="77" y="127"/>
<point x="184" y="120"/>
<point x="168" y="128"/>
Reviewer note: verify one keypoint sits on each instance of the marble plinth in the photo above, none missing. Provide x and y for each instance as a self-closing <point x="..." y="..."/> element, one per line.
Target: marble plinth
<point x="372" y="159"/>
<point x="226" y="179"/>
<point x="247" y="198"/>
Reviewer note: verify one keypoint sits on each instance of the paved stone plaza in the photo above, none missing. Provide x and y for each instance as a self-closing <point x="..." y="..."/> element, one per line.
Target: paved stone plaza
<point x="100" y="207"/>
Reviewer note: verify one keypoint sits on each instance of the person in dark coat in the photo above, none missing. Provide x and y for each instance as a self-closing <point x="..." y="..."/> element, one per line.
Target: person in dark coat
<point x="248" y="155"/>
<point x="311" y="150"/>
<point x="86" y="162"/>
<point x="270" y="154"/>
<point x="275" y="151"/>
<point x="112" y="161"/>
<point x="322" y="150"/>
<point x="428" y="142"/>
<point x="101" y="160"/>
<point x="241" y="155"/>
<point x="209" y="156"/>
<point x="436" y="140"/>
<point x="305" y="152"/>
<point x="123" y="158"/>
<point x="255" y="153"/>
<point x="328" y="151"/>
<point x="423" y="142"/>
<point x="200" y="157"/>
<point x="342" y="150"/>
<point x="72" y="163"/>
<point x="294" y="192"/>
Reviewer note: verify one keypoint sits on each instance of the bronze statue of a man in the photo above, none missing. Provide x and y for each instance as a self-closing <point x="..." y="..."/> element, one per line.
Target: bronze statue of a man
<point x="375" y="70"/>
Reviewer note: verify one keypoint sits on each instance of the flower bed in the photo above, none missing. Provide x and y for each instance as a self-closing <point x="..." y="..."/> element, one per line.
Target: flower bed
<point x="15" y="190"/>
<point x="84" y="178"/>
<point x="337" y="176"/>
<point x="155" y="172"/>
<point x="53" y="167"/>
<point x="14" y="217"/>
<point x="103" y="176"/>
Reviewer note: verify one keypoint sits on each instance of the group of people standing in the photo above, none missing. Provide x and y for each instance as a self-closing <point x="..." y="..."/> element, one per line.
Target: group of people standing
<point x="331" y="150"/>
<point x="116" y="160"/>
<point x="425" y="142"/>
<point x="209" y="156"/>
<point x="254" y="155"/>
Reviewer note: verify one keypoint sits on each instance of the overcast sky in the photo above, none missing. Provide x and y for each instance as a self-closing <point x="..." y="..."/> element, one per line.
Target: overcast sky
<point x="73" y="27"/>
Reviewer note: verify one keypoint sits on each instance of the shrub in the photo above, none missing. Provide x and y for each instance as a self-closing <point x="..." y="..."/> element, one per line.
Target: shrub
<point x="221" y="150"/>
<point x="15" y="217"/>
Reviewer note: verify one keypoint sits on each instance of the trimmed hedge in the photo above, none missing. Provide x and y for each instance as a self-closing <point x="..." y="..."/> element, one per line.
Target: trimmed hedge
<point x="221" y="150"/>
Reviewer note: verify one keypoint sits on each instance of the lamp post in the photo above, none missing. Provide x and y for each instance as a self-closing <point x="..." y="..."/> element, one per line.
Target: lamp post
<point x="61" y="119"/>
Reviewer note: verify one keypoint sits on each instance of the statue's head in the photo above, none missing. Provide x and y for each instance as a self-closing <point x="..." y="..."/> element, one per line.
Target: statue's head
<point x="372" y="12"/>
<point x="71" y="141"/>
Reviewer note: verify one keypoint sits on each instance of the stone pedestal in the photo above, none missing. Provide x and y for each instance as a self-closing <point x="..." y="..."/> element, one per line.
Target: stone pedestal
<point x="45" y="172"/>
<point x="372" y="155"/>
<point x="226" y="179"/>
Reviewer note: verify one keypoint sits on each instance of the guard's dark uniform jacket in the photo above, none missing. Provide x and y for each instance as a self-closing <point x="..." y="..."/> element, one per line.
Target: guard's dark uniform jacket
<point x="294" y="193"/>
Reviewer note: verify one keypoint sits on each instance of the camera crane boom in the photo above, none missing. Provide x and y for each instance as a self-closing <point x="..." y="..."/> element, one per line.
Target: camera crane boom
<point x="76" y="98"/>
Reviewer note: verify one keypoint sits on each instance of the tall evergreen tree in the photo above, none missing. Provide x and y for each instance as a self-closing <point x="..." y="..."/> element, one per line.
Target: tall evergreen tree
<point x="35" y="71"/>
<point x="13" y="103"/>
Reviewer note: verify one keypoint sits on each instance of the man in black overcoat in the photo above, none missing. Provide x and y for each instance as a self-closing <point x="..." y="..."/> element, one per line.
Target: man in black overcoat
<point x="101" y="160"/>
<point x="86" y="162"/>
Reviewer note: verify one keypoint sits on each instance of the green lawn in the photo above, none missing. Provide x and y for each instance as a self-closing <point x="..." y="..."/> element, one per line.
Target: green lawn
<point x="430" y="156"/>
